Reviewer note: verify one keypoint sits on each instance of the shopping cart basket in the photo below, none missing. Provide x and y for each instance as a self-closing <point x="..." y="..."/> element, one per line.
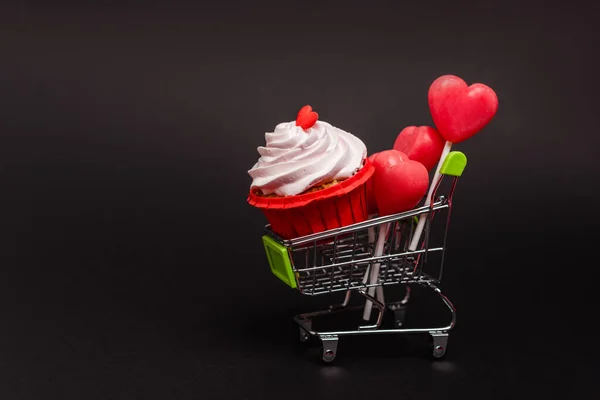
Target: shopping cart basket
<point x="339" y="260"/>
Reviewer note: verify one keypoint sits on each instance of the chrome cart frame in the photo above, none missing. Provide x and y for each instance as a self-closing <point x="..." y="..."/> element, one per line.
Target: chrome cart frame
<point x="340" y="260"/>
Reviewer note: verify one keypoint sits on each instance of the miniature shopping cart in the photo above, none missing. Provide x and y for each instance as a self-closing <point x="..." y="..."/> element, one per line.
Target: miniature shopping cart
<point x="340" y="260"/>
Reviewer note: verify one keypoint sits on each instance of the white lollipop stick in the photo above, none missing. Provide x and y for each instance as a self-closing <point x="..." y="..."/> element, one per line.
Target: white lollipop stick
<point x="371" y="235"/>
<point x="419" y="229"/>
<point x="371" y="239"/>
<point x="383" y="230"/>
<point x="378" y="292"/>
<point x="371" y="232"/>
<point x="379" y="289"/>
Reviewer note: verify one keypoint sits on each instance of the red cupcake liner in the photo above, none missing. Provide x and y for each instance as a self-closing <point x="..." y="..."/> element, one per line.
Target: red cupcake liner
<point x="339" y="205"/>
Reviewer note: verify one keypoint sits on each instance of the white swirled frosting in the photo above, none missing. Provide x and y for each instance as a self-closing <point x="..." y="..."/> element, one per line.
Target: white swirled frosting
<point x="293" y="159"/>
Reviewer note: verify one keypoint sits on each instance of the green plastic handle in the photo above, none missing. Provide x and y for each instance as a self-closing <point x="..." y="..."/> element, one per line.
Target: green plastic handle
<point x="454" y="164"/>
<point x="279" y="261"/>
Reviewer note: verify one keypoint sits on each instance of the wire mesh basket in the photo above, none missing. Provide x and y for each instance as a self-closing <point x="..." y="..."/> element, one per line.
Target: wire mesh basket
<point x="364" y="258"/>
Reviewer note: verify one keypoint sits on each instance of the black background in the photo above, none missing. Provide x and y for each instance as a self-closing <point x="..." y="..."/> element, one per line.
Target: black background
<point x="131" y="266"/>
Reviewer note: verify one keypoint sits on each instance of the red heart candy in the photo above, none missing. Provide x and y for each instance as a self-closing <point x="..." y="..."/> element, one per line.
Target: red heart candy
<point x="306" y="117"/>
<point x="460" y="111"/>
<point x="423" y="144"/>
<point x="398" y="182"/>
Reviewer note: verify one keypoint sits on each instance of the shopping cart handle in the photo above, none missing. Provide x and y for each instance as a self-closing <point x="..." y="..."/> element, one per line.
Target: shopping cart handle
<point x="454" y="164"/>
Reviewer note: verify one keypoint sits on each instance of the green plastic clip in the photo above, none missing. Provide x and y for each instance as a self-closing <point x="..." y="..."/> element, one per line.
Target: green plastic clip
<point x="279" y="261"/>
<point x="454" y="164"/>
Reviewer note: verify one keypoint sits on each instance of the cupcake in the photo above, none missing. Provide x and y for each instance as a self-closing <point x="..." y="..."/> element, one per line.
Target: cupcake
<point x="311" y="176"/>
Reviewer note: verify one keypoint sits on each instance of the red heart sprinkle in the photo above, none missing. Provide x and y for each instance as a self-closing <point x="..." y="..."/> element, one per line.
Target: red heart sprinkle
<point x="306" y="117"/>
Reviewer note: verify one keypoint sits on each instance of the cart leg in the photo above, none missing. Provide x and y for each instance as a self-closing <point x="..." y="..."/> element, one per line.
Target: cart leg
<point x="399" y="314"/>
<point x="337" y="307"/>
<point x="329" y="346"/>
<point x="440" y="343"/>
<point x="406" y="295"/>
<point x="377" y="304"/>
<point x="304" y="335"/>
<point x="399" y="308"/>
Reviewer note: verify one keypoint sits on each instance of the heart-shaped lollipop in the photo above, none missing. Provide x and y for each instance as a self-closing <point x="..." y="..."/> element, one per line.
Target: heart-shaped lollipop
<point x="460" y="111"/>
<point x="421" y="143"/>
<point x="306" y="117"/>
<point x="399" y="183"/>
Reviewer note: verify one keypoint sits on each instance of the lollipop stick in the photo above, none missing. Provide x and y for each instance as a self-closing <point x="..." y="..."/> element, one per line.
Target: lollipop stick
<point x="378" y="292"/>
<point x="383" y="230"/>
<point x="371" y="235"/>
<point x="371" y="239"/>
<point x="436" y="177"/>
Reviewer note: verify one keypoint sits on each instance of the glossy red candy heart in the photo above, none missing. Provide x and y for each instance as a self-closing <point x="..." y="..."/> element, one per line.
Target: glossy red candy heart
<point x="398" y="182"/>
<point x="460" y="111"/>
<point x="423" y="144"/>
<point x="306" y="117"/>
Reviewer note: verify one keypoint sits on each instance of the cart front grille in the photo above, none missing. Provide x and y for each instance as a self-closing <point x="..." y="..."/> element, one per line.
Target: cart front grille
<point x="343" y="263"/>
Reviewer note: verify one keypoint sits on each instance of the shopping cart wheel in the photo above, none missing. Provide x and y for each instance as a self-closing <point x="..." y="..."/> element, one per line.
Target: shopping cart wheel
<point x="328" y="349"/>
<point x="439" y="344"/>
